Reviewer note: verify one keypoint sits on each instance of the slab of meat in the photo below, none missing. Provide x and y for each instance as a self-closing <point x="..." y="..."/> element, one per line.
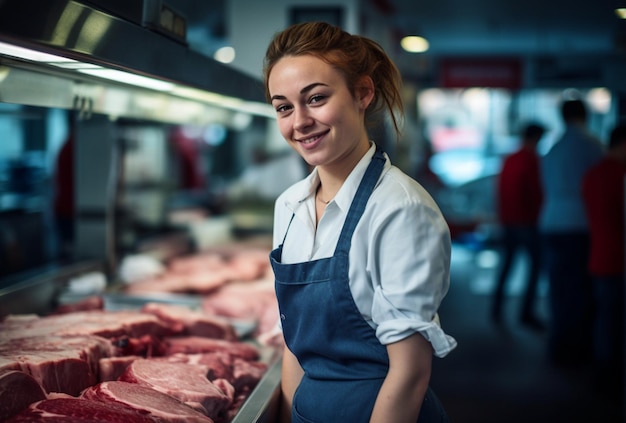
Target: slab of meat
<point x="194" y="323"/>
<point x="108" y="324"/>
<point x="219" y="364"/>
<point x="182" y="381"/>
<point x="145" y="346"/>
<point x="57" y="363"/>
<point x="242" y="374"/>
<point x="247" y="374"/>
<point x="77" y="410"/>
<point x="196" y="344"/>
<point x="147" y="400"/>
<point x="208" y="271"/>
<point x="201" y="283"/>
<point x="17" y="391"/>
<point x="198" y="263"/>
<point x="111" y="368"/>
<point x="247" y="301"/>
<point x="93" y="302"/>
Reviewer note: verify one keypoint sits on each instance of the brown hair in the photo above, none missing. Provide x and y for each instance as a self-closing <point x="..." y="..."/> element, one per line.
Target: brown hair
<point x="352" y="55"/>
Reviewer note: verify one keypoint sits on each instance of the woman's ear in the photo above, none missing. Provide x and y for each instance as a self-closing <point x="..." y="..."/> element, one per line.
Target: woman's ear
<point x="365" y="91"/>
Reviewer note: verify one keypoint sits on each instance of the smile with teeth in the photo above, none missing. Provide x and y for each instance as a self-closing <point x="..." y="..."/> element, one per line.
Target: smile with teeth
<point x="309" y="140"/>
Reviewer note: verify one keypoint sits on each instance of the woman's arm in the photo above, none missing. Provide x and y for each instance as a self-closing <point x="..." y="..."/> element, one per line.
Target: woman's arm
<point x="290" y="379"/>
<point x="402" y="393"/>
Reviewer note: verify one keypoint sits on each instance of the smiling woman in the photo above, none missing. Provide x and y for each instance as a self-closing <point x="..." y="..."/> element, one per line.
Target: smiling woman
<point x="366" y="295"/>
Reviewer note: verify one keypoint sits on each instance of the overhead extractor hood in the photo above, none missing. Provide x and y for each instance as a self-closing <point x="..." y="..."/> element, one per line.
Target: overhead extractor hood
<point x="84" y="42"/>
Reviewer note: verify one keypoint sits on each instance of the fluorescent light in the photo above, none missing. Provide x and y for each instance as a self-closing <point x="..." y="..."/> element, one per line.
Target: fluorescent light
<point x="88" y="68"/>
<point x="414" y="44"/>
<point x="129" y="78"/>
<point x="220" y="101"/>
<point x="621" y="12"/>
<point x="32" y="55"/>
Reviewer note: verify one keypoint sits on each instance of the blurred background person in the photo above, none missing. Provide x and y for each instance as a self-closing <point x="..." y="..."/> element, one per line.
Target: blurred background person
<point x="566" y="237"/>
<point x="519" y="199"/>
<point x="64" y="192"/>
<point x="603" y="193"/>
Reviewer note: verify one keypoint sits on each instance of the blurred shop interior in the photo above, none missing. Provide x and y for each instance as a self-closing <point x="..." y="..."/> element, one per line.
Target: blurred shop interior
<point x="187" y="157"/>
<point x="150" y="164"/>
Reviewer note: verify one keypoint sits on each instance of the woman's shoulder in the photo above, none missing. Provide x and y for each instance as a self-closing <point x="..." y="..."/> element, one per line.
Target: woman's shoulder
<point x="396" y="185"/>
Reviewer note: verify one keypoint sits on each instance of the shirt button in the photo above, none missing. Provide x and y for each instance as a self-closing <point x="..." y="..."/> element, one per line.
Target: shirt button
<point x="282" y="317"/>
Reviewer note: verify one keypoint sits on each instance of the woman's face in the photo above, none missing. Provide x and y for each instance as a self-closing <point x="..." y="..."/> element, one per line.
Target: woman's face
<point x="316" y="113"/>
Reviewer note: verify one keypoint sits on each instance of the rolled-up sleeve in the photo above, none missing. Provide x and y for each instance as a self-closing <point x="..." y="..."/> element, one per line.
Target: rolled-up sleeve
<point x="410" y="269"/>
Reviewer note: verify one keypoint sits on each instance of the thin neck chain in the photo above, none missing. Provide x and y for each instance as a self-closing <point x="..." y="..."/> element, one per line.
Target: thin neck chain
<point x="322" y="201"/>
<point x="317" y="196"/>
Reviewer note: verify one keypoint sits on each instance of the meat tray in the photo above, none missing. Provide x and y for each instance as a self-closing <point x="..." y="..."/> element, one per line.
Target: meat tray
<point x="48" y="289"/>
<point x="261" y="406"/>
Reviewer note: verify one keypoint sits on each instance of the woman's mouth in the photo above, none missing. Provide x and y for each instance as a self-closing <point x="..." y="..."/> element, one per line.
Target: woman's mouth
<point x="312" y="141"/>
<point x="309" y="140"/>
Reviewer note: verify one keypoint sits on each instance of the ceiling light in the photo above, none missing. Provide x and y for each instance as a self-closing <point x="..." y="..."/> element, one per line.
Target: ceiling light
<point x="225" y="54"/>
<point x="621" y="12"/>
<point x="414" y="44"/>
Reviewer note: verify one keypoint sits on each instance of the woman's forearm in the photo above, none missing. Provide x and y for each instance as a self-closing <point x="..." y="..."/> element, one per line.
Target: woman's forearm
<point x="290" y="379"/>
<point x="402" y="393"/>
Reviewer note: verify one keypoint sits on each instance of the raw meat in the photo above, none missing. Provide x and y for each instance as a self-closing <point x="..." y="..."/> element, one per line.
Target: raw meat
<point x="201" y="283"/>
<point x="208" y="271"/>
<point x="254" y="300"/>
<point x="182" y="381"/>
<point x="57" y="363"/>
<point x="196" y="344"/>
<point x="17" y="391"/>
<point x="145" y="346"/>
<point x="195" y="323"/>
<point x="242" y="374"/>
<point x="78" y="410"/>
<point x="156" y="404"/>
<point x="93" y="302"/>
<point x="108" y="324"/>
<point x="198" y="263"/>
<point x="112" y="368"/>
<point x="219" y="364"/>
<point x="62" y="352"/>
<point x="246" y="374"/>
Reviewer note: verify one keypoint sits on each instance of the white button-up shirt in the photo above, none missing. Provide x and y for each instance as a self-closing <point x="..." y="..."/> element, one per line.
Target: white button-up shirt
<point x="399" y="256"/>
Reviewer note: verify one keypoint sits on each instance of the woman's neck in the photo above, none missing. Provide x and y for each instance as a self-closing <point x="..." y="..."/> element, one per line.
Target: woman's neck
<point x="332" y="176"/>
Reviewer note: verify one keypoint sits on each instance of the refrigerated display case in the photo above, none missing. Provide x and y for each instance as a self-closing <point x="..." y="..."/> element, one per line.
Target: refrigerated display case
<point x="128" y="83"/>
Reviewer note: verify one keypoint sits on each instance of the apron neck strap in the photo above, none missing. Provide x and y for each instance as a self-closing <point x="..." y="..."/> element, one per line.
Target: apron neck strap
<point x="370" y="178"/>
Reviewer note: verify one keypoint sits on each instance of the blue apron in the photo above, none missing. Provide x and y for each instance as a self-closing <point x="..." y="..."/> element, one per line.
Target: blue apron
<point x="344" y="363"/>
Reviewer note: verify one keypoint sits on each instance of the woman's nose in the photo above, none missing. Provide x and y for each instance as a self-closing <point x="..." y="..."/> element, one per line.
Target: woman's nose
<point x="302" y="118"/>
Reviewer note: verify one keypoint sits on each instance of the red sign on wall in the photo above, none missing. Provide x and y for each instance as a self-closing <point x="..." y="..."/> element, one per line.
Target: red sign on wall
<point x="477" y="72"/>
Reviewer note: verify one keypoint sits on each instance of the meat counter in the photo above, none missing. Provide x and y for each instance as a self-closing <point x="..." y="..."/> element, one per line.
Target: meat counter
<point x="49" y="291"/>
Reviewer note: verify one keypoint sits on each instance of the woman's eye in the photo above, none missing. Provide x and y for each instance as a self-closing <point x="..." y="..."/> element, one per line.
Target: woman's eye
<point x="282" y="108"/>
<point x="316" y="98"/>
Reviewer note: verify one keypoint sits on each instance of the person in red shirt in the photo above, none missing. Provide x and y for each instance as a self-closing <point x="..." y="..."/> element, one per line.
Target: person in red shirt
<point x="519" y="200"/>
<point x="63" y="205"/>
<point x="603" y="195"/>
